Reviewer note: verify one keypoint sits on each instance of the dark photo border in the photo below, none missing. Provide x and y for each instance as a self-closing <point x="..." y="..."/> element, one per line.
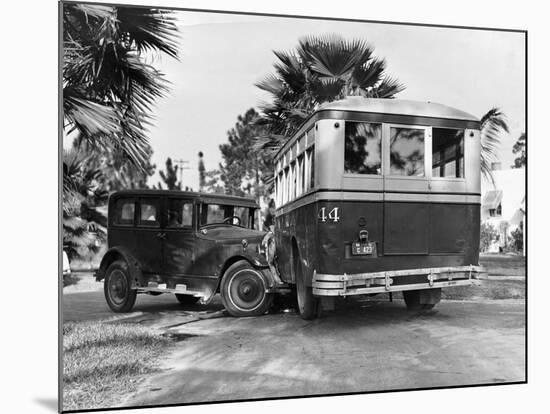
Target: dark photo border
<point x="277" y="15"/>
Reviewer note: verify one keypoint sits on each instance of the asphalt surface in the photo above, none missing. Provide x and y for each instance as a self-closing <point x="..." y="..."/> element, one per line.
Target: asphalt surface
<point x="364" y="345"/>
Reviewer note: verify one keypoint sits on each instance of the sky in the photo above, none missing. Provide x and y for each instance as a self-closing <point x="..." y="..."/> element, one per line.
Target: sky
<point x="222" y="56"/>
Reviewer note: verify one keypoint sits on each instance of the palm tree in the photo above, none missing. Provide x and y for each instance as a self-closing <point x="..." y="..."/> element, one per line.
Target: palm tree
<point x="493" y="123"/>
<point x="108" y="89"/>
<point x="320" y="69"/>
<point x="84" y="215"/>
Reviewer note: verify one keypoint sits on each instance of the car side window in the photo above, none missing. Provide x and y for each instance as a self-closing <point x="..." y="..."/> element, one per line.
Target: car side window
<point x="149" y="213"/>
<point x="124" y="212"/>
<point x="180" y="213"/>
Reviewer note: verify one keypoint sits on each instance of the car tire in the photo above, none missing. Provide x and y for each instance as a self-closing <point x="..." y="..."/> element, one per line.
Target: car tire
<point x="412" y="300"/>
<point x="309" y="306"/>
<point x="186" y="300"/>
<point x="243" y="290"/>
<point x="117" y="287"/>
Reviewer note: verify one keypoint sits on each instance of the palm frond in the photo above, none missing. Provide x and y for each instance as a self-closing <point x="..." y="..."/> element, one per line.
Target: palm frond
<point x="109" y="90"/>
<point x="369" y="74"/>
<point x="149" y="29"/>
<point x="327" y="89"/>
<point x="291" y="72"/>
<point x="271" y="84"/>
<point x="493" y="124"/>
<point x="331" y="55"/>
<point x="90" y="117"/>
<point x="388" y="88"/>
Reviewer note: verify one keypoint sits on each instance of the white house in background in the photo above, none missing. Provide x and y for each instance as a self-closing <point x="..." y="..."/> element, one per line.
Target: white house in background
<point x="503" y="203"/>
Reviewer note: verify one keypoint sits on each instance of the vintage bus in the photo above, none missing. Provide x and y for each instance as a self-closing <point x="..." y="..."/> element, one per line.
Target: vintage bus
<point x="378" y="195"/>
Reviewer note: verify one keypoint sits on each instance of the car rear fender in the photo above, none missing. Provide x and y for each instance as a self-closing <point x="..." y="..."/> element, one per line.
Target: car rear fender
<point x="121" y="253"/>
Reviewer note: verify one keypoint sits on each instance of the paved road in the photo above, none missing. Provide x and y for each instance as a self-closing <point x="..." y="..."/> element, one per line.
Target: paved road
<point x="364" y="345"/>
<point x="91" y="306"/>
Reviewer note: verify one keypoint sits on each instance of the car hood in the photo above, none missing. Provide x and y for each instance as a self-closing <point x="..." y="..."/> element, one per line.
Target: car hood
<point x="229" y="232"/>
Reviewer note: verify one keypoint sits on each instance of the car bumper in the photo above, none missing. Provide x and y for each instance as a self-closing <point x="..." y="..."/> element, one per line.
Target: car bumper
<point x="380" y="282"/>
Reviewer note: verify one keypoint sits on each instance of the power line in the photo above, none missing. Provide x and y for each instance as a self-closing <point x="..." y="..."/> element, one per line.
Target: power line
<point x="182" y="166"/>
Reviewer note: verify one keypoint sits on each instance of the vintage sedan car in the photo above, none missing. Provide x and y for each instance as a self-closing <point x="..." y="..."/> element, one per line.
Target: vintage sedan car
<point x="190" y="244"/>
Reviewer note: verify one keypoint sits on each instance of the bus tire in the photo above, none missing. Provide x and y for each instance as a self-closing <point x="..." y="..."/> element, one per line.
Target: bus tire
<point x="412" y="300"/>
<point x="243" y="290"/>
<point x="117" y="287"/>
<point x="308" y="305"/>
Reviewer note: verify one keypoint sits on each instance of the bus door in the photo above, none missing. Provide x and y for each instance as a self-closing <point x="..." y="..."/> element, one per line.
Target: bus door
<point x="449" y="211"/>
<point x="406" y="189"/>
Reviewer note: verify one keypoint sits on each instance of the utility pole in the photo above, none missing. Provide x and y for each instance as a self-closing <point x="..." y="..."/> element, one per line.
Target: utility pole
<point x="202" y="171"/>
<point x="182" y="165"/>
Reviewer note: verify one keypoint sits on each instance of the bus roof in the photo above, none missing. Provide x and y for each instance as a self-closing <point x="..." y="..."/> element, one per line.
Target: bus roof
<point x="397" y="107"/>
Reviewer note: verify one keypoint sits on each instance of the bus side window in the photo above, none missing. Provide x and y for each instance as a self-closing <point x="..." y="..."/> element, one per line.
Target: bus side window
<point x="311" y="169"/>
<point x="301" y="175"/>
<point x="286" y="186"/>
<point x="294" y="174"/>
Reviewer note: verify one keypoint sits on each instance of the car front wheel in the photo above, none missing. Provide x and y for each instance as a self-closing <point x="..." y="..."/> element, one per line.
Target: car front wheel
<point x="243" y="290"/>
<point x="117" y="287"/>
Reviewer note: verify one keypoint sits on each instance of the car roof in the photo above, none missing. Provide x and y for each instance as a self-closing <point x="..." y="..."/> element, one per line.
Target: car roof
<point x="204" y="197"/>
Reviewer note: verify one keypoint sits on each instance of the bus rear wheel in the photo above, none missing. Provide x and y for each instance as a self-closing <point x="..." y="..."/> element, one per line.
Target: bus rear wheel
<point x="243" y="290"/>
<point x="308" y="305"/>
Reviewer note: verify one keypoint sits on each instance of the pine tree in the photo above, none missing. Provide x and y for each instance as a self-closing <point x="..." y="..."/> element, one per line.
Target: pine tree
<point x="201" y="171"/>
<point x="170" y="177"/>
<point x="242" y="166"/>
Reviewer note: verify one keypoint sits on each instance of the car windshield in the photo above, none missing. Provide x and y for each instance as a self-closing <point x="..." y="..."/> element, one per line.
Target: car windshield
<point x="222" y="213"/>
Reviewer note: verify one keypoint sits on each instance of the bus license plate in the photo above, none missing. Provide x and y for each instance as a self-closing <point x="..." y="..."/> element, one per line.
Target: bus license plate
<point x="358" y="248"/>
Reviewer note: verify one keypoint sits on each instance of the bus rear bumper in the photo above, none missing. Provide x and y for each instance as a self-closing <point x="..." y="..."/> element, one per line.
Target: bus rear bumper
<point x="380" y="282"/>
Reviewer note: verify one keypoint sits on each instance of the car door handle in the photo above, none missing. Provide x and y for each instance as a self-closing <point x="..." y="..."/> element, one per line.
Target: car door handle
<point x="161" y="235"/>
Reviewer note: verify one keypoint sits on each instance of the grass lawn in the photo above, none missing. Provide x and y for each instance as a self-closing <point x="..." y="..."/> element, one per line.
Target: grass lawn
<point x="500" y="268"/>
<point x="503" y="264"/>
<point x="103" y="363"/>
<point x="488" y="289"/>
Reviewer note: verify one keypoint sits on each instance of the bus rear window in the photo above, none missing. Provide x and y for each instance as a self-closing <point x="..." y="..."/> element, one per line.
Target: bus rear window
<point x="407" y="151"/>
<point x="447" y="152"/>
<point x="362" y="153"/>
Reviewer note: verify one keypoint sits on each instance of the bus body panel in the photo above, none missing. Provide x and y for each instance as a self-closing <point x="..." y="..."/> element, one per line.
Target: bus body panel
<point x="326" y="247"/>
<point x="298" y="226"/>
